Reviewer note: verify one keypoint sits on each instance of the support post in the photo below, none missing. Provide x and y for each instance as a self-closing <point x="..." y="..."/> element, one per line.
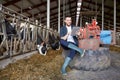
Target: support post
<point x="114" y="39"/>
<point x="48" y="17"/>
<point x="63" y="11"/>
<point x="80" y="21"/>
<point x="58" y="16"/>
<point x="102" y="14"/>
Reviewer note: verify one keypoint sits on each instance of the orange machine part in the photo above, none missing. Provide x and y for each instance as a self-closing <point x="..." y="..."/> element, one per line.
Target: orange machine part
<point x="90" y="30"/>
<point x="89" y="37"/>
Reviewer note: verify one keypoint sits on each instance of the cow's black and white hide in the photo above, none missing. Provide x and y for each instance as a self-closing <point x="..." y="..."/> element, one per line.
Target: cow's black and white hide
<point x="26" y="32"/>
<point x="2" y="48"/>
<point x="58" y="42"/>
<point x="10" y="30"/>
<point x="8" y="33"/>
<point x="41" y="45"/>
<point x="54" y="42"/>
<point x="23" y="30"/>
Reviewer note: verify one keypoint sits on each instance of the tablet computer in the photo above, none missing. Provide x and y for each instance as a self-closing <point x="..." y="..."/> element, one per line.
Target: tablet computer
<point x="73" y="33"/>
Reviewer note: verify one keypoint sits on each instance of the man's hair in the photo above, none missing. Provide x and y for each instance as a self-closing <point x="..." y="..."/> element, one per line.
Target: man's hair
<point x="67" y="16"/>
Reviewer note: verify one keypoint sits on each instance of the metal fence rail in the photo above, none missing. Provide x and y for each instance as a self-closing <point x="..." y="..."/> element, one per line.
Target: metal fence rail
<point x="19" y="45"/>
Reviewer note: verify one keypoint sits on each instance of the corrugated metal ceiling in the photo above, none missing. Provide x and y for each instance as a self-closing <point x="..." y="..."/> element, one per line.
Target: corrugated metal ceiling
<point x="38" y="9"/>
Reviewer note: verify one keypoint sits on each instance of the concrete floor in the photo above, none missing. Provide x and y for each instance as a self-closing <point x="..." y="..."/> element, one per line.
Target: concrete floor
<point x="112" y="73"/>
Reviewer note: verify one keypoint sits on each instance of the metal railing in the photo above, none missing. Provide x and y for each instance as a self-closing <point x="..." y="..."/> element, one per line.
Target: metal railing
<point x="17" y="45"/>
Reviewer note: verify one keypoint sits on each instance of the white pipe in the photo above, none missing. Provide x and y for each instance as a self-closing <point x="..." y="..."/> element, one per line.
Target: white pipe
<point x="63" y="11"/>
<point x="115" y="15"/>
<point x="81" y="21"/>
<point x="78" y="12"/>
<point x="102" y="14"/>
<point x="58" y="16"/>
<point x="77" y="18"/>
<point x="48" y="16"/>
<point x="114" y="40"/>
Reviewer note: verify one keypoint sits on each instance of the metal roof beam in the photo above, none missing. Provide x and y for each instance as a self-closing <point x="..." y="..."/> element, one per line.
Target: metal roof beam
<point x="11" y="2"/>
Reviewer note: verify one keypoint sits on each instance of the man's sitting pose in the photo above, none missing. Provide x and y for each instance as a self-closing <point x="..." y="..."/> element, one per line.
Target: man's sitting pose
<point x="69" y="42"/>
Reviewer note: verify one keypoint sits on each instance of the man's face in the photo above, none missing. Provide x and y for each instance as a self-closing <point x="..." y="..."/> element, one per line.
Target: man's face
<point x="68" y="21"/>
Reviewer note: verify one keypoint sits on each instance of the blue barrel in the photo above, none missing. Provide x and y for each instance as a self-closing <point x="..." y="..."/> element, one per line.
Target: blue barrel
<point x="105" y="37"/>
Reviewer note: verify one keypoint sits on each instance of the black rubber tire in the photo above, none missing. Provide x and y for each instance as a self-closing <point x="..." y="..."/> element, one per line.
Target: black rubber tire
<point x="91" y="61"/>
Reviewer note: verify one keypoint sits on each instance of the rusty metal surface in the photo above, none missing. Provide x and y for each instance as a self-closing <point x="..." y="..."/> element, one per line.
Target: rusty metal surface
<point x="92" y="44"/>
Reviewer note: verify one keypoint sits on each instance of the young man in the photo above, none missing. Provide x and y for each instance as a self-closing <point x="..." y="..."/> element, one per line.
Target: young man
<point x="68" y="42"/>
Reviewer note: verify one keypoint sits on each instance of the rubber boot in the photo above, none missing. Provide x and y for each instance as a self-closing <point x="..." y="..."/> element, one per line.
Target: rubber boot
<point x="66" y="62"/>
<point x="72" y="46"/>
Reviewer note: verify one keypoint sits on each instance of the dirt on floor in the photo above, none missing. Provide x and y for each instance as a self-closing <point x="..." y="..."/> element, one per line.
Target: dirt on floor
<point x="115" y="48"/>
<point x="39" y="67"/>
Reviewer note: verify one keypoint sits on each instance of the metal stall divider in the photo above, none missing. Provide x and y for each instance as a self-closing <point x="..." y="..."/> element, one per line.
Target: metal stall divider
<point x="14" y="24"/>
<point x="25" y="36"/>
<point x="18" y="38"/>
<point x="4" y="42"/>
<point x="17" y="44"/>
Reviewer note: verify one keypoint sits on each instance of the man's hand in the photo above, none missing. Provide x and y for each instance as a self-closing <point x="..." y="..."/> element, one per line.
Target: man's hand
<point x="69" y="33"/>
<point x="66" y="36"/>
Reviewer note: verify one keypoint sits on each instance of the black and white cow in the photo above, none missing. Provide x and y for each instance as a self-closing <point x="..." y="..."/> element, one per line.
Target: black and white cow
<point x="41" y="44"/>
<point x="8" y="31"/>
<point x="34" y="31"/>
<point x="54" y="41"/>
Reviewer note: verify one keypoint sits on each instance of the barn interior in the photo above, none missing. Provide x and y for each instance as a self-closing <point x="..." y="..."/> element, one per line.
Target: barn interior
<point x="25" y="25"/>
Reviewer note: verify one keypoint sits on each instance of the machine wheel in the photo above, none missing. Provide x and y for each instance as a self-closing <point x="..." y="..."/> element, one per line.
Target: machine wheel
<point x="91" y="61"/>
